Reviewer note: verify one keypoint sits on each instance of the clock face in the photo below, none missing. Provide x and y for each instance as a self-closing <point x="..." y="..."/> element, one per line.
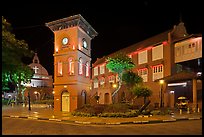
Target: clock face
<point x="85" y="44"/>
<point x="64" y="41"/>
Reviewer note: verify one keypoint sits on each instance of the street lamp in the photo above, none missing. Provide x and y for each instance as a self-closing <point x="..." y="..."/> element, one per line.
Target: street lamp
<point x="114" y="85"/>
<point x="29" y="108"/>
<point x="36" y="94"/>
<point x="161" y="82"/>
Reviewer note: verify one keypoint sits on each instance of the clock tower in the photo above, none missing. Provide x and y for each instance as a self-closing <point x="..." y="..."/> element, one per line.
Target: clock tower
<point x="72" y="61"/>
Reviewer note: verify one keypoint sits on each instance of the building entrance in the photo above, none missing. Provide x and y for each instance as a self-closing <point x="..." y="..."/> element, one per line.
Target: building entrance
<point x="66" y="101"/>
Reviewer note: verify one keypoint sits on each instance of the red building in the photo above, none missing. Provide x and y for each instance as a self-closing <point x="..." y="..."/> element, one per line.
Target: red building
<point x="173" y="56"/>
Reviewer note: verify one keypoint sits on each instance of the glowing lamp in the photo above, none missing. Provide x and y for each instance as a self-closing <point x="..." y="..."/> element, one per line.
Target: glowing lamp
<point x="114" y="85"/>
<point x="161" y="82"/>
<point x="56" y="49"/>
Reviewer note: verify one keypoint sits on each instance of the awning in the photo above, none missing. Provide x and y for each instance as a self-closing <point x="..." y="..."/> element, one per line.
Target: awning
<point x="181" y="76"/>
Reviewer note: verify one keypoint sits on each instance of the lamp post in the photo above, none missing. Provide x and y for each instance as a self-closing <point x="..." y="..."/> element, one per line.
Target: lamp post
<point x="161" y="82"/>
<point x="29" y="108"/>
<point x="113" y="98"/>
<point x="36" y="95"/>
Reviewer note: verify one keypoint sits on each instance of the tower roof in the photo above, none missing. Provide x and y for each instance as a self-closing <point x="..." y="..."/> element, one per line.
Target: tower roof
<point x="76" y="20"/>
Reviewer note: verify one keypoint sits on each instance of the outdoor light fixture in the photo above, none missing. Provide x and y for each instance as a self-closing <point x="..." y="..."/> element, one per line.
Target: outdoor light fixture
<point x="177" y="84"/>
<point x="114" y="85"/>
<point x="57" y="50"/>
<point x="172" y="92"/>
<point x="199" y="73"/>
<point x="36" y="94"/>
<point x="161" y="82"/>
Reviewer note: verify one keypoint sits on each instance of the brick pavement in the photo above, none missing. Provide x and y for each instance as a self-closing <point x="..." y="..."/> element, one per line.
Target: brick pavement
<point x="49" y="114"/>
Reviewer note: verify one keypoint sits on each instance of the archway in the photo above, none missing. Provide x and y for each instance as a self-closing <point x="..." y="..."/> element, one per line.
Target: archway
<point x="83" y="95"/>
<point x="65" y="101"/>
<point x="106" y="98"/>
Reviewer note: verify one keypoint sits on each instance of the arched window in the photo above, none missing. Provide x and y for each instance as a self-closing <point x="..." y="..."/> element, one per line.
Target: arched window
<point x="95" y="83"/>
<point x="83" y="94"/>
<point x="80" y="66"/>
<point x="87" y="69"/>
<point x="106" y="98"/>
<point x="59" y="68"/>
<point x="102" y="81"/>
<point x="71" y="66"/>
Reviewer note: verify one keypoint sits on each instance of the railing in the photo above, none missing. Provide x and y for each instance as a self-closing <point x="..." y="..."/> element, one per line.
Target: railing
<point x="92" y="99"/>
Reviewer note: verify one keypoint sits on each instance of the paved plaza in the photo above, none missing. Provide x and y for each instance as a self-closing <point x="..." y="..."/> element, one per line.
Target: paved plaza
<point x="49" y="114"/>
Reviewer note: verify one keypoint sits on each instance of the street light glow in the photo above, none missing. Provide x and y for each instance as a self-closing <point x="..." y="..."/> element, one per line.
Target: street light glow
<point x="161" y="81"/>
<point x="114" y="85"/>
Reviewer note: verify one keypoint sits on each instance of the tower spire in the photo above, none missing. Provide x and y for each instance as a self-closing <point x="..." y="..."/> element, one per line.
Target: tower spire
<point x="35" y="59"/>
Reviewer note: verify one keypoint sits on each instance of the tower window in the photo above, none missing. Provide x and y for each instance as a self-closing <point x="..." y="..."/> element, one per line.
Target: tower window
<point x="59" y="68"/>
<point x="87" y="69"/>
<point x="80" y="66"/>
<point x="71" y="66"/>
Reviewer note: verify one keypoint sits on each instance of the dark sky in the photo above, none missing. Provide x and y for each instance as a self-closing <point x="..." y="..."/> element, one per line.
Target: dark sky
<point x="119" y="24"/>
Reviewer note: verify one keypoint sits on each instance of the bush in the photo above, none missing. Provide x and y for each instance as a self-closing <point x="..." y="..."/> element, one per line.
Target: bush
<point x="4" y="101"/>
<point x="93" y="110"/>
<point x="114" y="108"/>
<point x="49" y="102"/>
<point x="101" y="110"/>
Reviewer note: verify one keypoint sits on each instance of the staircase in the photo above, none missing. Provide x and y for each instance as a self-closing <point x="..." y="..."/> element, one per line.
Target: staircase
<point x="92" y="99"/>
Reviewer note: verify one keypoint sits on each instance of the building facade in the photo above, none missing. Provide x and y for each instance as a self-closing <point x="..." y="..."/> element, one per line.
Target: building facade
<point x="161" y="57"/>
<point x="72" y="61"/>
<point x="41" y="84"/>
<point x="41" y="78"/>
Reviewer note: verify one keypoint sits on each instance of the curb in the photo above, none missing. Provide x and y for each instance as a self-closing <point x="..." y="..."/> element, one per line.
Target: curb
<point x="103" y="123"/>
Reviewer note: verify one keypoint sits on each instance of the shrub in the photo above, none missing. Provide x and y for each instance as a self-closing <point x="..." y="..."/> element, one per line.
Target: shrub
<point x="4" y="101"/>
<point x="121" y="107"/>
<point x="101" y="110"/>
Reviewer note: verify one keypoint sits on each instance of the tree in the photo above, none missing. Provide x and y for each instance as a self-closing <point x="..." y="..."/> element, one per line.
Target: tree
<point x="130" y="78"/>
<point x="14" y="70"/>
<point x="141" y="91"/>
<point x="118" y="64"/>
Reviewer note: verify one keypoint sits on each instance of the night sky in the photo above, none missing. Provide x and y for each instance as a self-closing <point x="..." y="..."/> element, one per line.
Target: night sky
<point x="119" y="24"/>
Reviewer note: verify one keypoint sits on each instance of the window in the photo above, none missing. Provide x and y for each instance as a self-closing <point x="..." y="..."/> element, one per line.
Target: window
<point x="95" y="71"/>
<point x="102" y="81"/>
<point x="143" y="74"/>
<point x="157" y="72"/>
<point x="59" y="68"/>
<point x="96" y="83"/>
<point x="80" y="66"/>
<point x="111" y="79"/>
<point x="157" y="52"/>
<point x="178" y="51"/>
<point x="102" y="69"/>
<point x="87" y="69"/>
<point x="71" y="66"/>
<point x="142" y="57"/>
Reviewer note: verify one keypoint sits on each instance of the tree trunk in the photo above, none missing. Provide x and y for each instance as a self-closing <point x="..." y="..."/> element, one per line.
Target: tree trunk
<point x="119" y="86"/>
<point x="145" y="99"/>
